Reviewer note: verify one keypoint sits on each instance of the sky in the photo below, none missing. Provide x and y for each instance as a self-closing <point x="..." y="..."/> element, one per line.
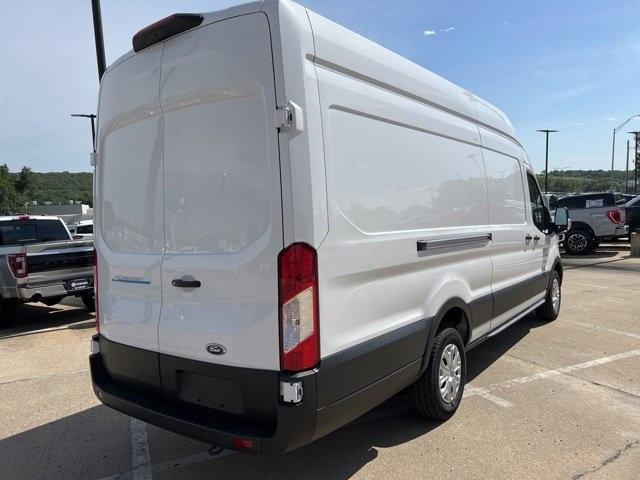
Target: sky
<point x="568" y="65"/>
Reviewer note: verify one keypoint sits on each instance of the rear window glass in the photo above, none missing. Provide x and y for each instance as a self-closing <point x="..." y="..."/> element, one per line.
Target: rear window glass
<point x="20" y="232"/>
<point x="85" y="229"/>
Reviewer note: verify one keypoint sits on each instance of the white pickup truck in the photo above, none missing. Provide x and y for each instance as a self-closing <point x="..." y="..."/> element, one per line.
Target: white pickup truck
<point x="594" y="216"/>
<point x="39" y="262"/>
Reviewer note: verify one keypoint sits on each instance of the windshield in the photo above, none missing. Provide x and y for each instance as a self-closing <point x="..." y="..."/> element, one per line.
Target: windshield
<point x="21" y="232"/>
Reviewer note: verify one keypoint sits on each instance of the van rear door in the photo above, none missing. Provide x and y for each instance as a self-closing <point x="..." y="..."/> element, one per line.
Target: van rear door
<point x="222" y="207"/>
<point x="128" y="191"/>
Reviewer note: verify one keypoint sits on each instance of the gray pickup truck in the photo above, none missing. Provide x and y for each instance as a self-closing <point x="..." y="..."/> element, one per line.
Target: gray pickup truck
<point x="594" y="216"/>
<point x="39" y="262"/>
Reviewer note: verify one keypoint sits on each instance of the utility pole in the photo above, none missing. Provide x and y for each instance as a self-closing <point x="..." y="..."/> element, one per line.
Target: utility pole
<point x="546" y="158"/>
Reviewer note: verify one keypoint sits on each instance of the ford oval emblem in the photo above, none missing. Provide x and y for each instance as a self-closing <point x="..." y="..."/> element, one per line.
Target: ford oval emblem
<point x="216" y="349"/>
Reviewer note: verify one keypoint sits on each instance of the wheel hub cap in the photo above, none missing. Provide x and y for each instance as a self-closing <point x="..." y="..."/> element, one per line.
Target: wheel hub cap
<point x="450" y="373"/>
<point x="555" y="295"/>
<point x="578" y="242"/>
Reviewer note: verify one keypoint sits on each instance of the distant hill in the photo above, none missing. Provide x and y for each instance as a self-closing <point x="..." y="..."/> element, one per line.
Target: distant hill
<point x="579" y="181"/>
<point x="60" y="187"/>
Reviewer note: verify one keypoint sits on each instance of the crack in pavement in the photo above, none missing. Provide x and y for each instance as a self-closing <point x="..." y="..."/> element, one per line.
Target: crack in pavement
<point x="608" y="460"/>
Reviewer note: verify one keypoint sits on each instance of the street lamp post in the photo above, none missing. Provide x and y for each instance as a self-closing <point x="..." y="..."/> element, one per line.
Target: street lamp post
<point x="613" y="144"/>
<point x="636" y="135"/>
<point x="626" y="172"/>
<point x="546" y="158"/>
<point x="92" y="116"/>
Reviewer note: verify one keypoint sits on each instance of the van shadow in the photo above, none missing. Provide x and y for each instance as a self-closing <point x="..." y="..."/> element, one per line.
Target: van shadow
<point x="488" y="352"/>
<point x="91" y="444"/>
<point x="37" y="316"/>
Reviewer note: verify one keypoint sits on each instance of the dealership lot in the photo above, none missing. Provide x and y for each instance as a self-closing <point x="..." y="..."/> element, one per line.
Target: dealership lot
<point x="558" y="400"/>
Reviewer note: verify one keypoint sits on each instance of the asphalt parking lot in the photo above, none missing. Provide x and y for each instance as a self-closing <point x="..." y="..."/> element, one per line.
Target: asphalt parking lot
<point x="543" y="401"/>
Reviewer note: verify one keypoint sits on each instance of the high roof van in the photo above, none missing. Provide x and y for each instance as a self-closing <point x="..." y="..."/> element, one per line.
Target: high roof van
<point x="293" y="224"/>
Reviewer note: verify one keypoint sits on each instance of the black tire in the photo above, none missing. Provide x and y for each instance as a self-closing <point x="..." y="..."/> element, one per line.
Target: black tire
<point x="7" y="312"/>
<point x="579" y="241"/>
<point x="425" y="395"/>
<point x="89" y="302"/>
<point x="548" y="310"/>
<point x="51" y="301"/>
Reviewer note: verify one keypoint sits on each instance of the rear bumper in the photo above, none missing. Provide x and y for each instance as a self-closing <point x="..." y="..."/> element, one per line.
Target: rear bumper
<point x="294" y="428"/>
<point x="344" y="387"/>
<point x="53" y="283"/>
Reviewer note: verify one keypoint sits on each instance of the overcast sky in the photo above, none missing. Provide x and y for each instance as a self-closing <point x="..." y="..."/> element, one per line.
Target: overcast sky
<point x="571" y="65"/>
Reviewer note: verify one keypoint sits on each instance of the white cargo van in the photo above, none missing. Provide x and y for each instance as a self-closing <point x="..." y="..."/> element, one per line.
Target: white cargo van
<point x="294" y="224"/>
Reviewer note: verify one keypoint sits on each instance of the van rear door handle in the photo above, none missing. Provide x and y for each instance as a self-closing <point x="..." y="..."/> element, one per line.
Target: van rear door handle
<point x="536" y="238"/>
<point x="528" y="238"/>
<point x="179" y="282"/>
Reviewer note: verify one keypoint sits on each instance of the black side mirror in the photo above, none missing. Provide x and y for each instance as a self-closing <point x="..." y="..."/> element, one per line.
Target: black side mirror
<point x="561" y="219"/>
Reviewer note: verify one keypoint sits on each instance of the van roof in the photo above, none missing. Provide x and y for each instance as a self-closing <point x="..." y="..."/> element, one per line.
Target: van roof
<point x="375" y="62"/>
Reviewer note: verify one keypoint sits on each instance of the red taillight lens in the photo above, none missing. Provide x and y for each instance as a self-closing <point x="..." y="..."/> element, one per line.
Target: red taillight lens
<point x="298" y="302"/>
<point x="18" y="264"/>
<point x="95" y="288"/>
<point x="242" y="443"/>
<point x="615" y="216"/>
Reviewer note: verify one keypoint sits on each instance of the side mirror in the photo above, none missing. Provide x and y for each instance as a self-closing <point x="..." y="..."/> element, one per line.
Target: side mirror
<point x="561" y="219"/>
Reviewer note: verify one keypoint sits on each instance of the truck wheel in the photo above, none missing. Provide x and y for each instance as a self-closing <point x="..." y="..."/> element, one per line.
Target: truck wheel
<point x="437" y="393"/>
<point x="89" y="302"/>
<point x="579" y="242"/>
<point x="7" y="312"/>
<point x="51" y="301"/>
<point x="550" y="309"/>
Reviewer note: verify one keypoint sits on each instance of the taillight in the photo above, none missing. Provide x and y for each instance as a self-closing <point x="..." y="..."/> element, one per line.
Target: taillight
<point x="298" y="302"/>
<point x="18" y="264"/>
<point x="615" y="216"/>
<point x="77" y="237"/>
<point x="95" y="288"/>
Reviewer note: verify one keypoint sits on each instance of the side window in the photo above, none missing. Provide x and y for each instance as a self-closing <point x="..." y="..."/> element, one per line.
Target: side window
<point x="595" y="201"/>
<point x="536" y="202"/>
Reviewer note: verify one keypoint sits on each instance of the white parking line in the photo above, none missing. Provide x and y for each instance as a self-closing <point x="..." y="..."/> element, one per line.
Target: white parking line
<point x="602" y="329"/>
<point x="471" y="391"/>
<point x="140" y="457"/>
<point x="558" y="371"/>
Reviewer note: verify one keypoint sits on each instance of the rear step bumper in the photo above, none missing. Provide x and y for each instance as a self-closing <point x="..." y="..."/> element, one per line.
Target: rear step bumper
<point x="342" y="388"/>
<point x="291" y="426"/>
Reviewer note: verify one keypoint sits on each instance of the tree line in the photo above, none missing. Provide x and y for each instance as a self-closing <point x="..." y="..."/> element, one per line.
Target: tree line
<point x="18" y="188"/>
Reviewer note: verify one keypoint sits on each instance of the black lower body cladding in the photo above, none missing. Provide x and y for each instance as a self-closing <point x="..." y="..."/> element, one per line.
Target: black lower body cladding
<point x="240" y="408"/>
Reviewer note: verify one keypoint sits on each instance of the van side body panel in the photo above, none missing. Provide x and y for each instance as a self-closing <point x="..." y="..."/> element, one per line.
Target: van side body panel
<point x="399" y="172"/>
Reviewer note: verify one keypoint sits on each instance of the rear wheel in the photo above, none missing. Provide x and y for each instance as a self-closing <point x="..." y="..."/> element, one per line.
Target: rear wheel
<point x="7" y="312"/>
<point x="437" y="393"/>
<point x="550" y="309"/>
<point x="89" y="302"/>
<point x="50" y="301"/>
<point x="579" y="241"/>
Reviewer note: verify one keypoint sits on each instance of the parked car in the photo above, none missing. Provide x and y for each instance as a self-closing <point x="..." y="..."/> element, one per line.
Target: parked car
<point x="324" y="224"/>
<point x="632" y="210"/>
<point x="83" y="230"/>
<point x="39" y="262"/>
<point x="594" y="217"/>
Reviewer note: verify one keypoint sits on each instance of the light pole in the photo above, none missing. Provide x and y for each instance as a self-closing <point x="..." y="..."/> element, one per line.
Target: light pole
<point x="546" y="158"/>
<point x="626" y="171"/>
<point x="613" y="144"/>
<point x="636" y="160"/>
<point x="92" y="116"/>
